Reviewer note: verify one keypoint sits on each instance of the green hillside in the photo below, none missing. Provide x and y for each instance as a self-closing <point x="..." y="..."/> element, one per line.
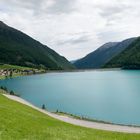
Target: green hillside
<point x="20" y="122"/>
<point x="103" y="54"/>
<point x="129" y="58"/>
<point x="17" y="48"/>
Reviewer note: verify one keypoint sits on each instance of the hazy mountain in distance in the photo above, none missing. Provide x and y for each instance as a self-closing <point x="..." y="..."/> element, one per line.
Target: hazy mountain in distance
<point x="73" y="61"/>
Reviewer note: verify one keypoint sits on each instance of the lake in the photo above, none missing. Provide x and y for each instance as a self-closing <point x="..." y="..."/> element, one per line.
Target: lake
<point x="112" y="96"/>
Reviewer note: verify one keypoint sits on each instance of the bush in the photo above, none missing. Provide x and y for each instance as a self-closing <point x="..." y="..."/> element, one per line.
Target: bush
<point x="4" y="88"/>
<point x="12" y="92"/>
<point x="43" y="106"/>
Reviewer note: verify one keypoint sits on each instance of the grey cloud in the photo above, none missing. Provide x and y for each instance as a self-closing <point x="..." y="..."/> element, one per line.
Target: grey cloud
<point x="113" y="12"/>
<point x="41" y="6"/>
<point x="20" y="4"/>
<point x="68" y="25"/>
<point x="75" y="40"/>
<point x="110" y="11"/>
<point x="108" y="36"/>
<point x="62" y="6"/>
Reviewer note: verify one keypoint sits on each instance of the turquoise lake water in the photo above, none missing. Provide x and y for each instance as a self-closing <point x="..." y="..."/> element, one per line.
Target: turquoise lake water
<point x="112" y="96"/>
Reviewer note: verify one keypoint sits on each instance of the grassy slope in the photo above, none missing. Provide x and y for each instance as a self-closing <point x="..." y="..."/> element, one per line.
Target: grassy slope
<point x="103" y="54"/>
<point x="17" y="48"/>
<point x="18" y="121"/>
<point x="129" y="58"/>
<point x="7" y="66"/>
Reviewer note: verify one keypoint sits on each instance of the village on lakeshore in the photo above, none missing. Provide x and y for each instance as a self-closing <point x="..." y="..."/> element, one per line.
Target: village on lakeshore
<point x="9" y="71"/>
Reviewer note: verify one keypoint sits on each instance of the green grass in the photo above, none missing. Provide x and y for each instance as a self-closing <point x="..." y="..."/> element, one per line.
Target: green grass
<point x="7" y="66"/>
<point x="2" y="77"/>
<point x="20" y="122"/>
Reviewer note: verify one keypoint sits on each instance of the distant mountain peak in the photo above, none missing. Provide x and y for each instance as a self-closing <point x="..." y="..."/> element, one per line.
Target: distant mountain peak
<point x="108" y="45"/>
<point x="103" y="55"/>
<point x="2" y="24"/>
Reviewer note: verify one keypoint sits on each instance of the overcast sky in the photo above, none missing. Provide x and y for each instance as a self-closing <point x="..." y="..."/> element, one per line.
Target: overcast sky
<point x="73" y="27"/>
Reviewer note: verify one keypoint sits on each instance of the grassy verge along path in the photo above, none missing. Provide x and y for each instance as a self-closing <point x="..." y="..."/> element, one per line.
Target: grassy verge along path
<point x="78" y="122"/>
<point x="18" y="121"/>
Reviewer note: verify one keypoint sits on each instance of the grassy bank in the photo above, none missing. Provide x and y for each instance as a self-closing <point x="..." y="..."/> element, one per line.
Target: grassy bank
<point x="7" y="66"/>
<point x="18" y="121"/>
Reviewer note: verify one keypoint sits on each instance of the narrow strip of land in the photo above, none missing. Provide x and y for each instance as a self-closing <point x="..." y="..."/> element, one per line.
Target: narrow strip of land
<point x="83" y="123"/>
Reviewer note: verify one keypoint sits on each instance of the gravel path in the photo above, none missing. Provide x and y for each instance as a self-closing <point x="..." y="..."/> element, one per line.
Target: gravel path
<point x="83" y="123"/>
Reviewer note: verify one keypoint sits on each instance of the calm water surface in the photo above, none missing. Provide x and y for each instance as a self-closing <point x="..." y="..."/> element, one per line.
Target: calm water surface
<point x="112" y="96"/>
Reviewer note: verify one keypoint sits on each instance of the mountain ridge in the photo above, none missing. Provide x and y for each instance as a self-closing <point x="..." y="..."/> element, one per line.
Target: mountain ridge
<point x="127" y="59"/>
<point x="19" y="48"/>
<point x="103" y="54"/>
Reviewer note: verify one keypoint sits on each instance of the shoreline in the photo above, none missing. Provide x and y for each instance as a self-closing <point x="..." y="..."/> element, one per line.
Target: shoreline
<point x="67" y="71"/>
<point x="78" y="122"/>
<point x="62" y="71"/>
<point x="83" y="70"/>
<point x="92" y="120"/>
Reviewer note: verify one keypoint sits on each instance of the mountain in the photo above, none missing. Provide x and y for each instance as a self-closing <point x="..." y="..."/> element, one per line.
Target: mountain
<point x="20" y="49"/>
<point x="102" y="55"/>
<point x="127" y="59"/>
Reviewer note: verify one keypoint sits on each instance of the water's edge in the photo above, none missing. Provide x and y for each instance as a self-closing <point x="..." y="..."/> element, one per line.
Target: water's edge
<point x="54" y="75"/>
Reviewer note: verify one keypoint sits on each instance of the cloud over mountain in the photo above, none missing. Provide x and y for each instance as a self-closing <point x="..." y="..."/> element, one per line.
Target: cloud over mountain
<point x="78" y="26"/>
